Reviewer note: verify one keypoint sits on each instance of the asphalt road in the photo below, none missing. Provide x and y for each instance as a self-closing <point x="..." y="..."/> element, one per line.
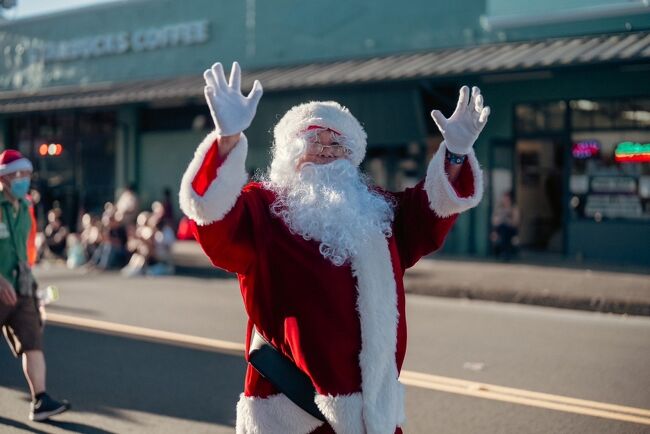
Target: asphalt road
<point x="124" y="384"/>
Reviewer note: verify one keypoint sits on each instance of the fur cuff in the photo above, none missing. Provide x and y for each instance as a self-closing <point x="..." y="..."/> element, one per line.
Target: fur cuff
<point x="344" y="412"/>
<point x="223" y="192"/>
<point x="443" y="199"/>
<point x="273" y="415"/>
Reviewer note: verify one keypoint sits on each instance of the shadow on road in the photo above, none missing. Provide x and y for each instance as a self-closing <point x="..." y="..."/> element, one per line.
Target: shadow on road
<point x="77" y="427"/>
<point x="102" y="374"/>
<point x="20" y="425"/>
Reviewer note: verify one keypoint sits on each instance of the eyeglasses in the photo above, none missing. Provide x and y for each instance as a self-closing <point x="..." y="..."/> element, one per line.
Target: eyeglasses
<point x="336" y="149"/>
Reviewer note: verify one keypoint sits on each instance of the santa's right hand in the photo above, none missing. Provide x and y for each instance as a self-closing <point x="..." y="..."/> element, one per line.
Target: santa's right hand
<point x="231" y="111"/>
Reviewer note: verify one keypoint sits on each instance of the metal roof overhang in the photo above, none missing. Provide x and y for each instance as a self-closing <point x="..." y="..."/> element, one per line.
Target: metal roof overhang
<point x="633" y="47"/>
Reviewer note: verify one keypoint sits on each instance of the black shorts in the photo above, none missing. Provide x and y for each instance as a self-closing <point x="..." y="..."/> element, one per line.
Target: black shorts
<point x="22" y="325"/>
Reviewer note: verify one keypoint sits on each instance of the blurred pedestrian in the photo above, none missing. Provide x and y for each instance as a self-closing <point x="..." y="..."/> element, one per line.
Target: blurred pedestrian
<point x="320" y="254"/>
<point x="127" y="205"/>
<point x="20" y="313"/>
<point x="505" y="227"/>
<point x="168" y="208"/>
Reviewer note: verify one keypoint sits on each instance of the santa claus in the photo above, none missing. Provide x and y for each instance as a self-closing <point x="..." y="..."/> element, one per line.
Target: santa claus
<point x="320" y="252"/>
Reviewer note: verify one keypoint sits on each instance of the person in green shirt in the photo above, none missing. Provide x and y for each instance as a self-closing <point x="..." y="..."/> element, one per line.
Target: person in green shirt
<point x="19" y="306"/>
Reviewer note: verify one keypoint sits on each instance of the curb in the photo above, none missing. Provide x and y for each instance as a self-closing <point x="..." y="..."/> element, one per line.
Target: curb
<point x="593" y="304"/>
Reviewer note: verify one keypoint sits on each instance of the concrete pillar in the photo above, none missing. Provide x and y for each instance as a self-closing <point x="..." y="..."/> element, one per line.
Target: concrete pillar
<point x="4" y="134"/>
<point x="126" y="150"/>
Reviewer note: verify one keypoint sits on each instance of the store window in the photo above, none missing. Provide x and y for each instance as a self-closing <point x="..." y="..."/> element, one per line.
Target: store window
<point x="73" y="154"/>
<point x="547" y="117"/>
<point x="610" y="159"/>
<point x="181" y="118"/>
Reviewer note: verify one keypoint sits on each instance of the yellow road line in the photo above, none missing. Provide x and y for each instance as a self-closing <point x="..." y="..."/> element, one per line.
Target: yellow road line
<point x="525" y="397"/>
<point x="436" y="379"/>
<point x="146" y="333"/>
<point x="409" y="378"/>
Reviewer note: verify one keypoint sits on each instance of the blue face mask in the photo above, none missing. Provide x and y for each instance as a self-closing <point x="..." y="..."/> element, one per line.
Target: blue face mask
<point x="20" y="187"/>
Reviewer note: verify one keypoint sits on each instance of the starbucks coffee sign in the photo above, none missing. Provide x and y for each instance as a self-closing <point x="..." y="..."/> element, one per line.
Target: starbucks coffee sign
<point x="156" y="38"/>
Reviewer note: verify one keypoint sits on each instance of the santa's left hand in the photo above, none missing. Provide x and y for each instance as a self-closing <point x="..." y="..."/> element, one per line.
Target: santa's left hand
<point x="465" y="124"/>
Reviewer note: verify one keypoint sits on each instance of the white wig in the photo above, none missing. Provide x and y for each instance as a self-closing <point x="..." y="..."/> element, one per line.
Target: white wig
<point x="290" y="139"/>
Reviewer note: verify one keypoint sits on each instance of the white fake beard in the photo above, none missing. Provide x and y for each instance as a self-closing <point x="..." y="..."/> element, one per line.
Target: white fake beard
<point x="332" y="204"/>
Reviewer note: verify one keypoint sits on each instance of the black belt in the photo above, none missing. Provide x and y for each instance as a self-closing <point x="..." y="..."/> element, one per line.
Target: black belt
<point x="283" y="374"/>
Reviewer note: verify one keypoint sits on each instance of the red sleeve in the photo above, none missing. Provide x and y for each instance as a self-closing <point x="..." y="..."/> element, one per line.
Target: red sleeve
<point x="464" y="184"/>
<point x="208" y="171"/>
<point x="31" y="239"/>
<point x="214" y="197"/>
<point x="418" y="230"/>
<point x="228" y="242"/>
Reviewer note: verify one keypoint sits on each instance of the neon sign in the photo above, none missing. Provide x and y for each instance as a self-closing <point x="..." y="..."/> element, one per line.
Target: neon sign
<point x="585" y="149"/>
<point x="631" y="152"/>
<point x="53" y="149"/>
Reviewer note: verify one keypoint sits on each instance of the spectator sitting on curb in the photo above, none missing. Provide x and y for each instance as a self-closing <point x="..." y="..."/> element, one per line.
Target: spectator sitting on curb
<point x="127" y="205"/>
<point x="56" y="233"/>
<point x="76" y="255"/>
<point x="140" y="246"/>
<point x="111" y="253"/>
<point x="90" y="234"/>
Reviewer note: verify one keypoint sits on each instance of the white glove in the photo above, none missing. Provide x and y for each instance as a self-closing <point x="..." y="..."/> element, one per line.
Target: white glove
<point x="231" y="111"/>
<point x="465" y="124"/>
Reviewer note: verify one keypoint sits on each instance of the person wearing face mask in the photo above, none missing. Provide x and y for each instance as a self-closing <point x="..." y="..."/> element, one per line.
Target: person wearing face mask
<point x="20" y="311"/>
<point x="320" y="253"/>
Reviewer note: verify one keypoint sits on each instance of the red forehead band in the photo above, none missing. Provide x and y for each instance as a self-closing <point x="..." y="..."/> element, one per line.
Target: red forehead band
<point x="318" y="127"/>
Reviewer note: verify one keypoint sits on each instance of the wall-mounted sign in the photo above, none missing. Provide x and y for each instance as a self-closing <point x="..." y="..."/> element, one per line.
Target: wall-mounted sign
<point x="585" y="149"/>
<point x="631" y="152"/>
<point x="155" y="38"/>
<point x="579" y="184"/>
<point x="613" y="184"/>
<point x="613" y="206"/>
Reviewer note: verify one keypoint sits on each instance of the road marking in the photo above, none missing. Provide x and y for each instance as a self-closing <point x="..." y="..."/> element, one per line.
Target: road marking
<point x="526" y="397"/>
<point x="145" y="333"/>
<point x="409" y="378"/>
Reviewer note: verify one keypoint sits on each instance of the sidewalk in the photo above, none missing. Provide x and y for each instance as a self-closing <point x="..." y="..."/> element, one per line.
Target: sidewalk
<point x="601" y="291"/>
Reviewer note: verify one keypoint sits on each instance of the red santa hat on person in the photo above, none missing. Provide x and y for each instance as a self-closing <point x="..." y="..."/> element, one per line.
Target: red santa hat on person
<point x="327" y="115"/>
<point x="12" y="161"/>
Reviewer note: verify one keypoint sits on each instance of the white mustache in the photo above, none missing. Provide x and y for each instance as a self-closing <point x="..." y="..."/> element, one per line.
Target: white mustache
<point x="332" y="204"/>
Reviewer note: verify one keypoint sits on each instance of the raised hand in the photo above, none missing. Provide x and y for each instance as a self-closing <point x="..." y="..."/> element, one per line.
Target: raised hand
<point x="465" y="124"/>
<point x="231" y="111"/>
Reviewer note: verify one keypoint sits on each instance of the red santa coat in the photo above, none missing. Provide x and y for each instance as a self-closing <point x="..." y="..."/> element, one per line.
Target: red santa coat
<point x="343" y="326"/>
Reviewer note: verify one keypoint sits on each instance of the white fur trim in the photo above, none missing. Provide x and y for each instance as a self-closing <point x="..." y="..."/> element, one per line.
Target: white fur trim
<point x="383" y="397"/>
<point x="443" y="199"/>
<point x="273" y="415"/>
<point x="343" y="412"/>
<point x="15" y="166"/>
<point x="223" y="192"/>
<point x="328" y="114"/>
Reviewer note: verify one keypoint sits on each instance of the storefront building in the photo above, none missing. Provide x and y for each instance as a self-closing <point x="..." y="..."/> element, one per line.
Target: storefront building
<point x="119" y="88"/>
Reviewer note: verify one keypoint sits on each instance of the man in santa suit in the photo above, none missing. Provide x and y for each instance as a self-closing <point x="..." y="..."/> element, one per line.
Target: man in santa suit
<point x="320" y="252"/>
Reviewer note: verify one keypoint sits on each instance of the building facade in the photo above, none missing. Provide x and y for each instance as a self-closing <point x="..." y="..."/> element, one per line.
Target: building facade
<point x="118" y="86"/>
